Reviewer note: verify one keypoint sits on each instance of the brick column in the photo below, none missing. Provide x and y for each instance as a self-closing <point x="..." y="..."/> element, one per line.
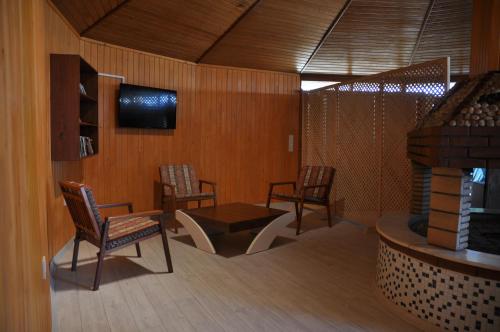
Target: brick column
<point x="421" y="189"/>
<point x="450" y="208"/>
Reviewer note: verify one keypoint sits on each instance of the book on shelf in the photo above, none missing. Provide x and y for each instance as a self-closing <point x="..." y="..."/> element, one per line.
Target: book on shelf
<point x="82" y="89"/>
<point x="86" y="148"/>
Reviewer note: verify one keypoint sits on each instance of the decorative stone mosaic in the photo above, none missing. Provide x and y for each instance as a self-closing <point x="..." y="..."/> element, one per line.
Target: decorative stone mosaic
<point x="450" y="300"/>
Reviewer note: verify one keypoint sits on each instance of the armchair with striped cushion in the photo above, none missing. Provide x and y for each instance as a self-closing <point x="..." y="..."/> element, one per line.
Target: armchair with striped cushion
<point x="313" y="187"/>
<point x="180" y="184"/>
<point x="111" y="233"/>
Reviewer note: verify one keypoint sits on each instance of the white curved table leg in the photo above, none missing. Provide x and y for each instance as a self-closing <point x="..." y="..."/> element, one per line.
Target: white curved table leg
<point x="266" y="236"/>
<point x="199" y="236"/>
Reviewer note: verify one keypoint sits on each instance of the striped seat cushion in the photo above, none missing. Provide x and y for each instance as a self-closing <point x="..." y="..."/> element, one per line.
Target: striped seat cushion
<point x="125" y="227"/>
<point x="297" y="197"/>
<point x="182" y="177"/>
<point x="199" y="196"/>
<point x="315" y="175"/>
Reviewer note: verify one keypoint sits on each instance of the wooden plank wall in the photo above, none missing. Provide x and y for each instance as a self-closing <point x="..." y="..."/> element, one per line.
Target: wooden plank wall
<point x="232" y="125"/>
<point x="24" y="294"/>
<point x="59" y="38"/>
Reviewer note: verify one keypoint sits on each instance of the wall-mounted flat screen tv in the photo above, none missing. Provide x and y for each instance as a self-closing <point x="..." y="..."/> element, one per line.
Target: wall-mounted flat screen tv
<point x="144" y="107"/>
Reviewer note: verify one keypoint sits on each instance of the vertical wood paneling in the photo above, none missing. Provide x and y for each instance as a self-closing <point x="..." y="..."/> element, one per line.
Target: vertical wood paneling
<point x="24" y="167"/>
<point x="232" y="125"/>
<point x="59" y="38"/>
<point x="485" y="44"/>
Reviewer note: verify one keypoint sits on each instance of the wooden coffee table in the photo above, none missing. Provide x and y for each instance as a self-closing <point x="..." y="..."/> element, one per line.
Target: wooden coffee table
<point x="234" y="217"/>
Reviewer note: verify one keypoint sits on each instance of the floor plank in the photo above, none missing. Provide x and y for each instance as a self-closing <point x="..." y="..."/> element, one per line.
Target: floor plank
<point x="322" y="280"/>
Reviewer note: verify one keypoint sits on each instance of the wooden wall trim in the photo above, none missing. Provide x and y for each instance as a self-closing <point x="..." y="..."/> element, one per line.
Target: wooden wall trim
<point x="347" y="78"/>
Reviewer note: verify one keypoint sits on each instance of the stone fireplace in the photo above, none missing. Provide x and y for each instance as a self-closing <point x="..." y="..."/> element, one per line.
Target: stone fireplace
<point x="460" y="133"/>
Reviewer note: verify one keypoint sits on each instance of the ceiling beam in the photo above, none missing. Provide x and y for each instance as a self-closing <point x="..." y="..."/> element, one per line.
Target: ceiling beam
<point x="422" y="30"/>
<point x="231" y="27"/>
<point x="327" y="33"/>
<point x="112" y="11"/>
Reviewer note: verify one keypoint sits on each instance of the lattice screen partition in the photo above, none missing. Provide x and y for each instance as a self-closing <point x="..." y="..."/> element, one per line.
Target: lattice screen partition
<point x="360" y="129"/>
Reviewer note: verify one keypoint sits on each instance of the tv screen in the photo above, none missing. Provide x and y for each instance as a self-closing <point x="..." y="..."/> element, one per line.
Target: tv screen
<point x="143" y="107"/>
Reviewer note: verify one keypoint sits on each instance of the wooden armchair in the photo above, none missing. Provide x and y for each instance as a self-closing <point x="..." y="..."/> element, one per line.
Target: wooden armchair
<point x="180" y="184"/>
<point x="114" y="232"/>
<point x="313" y="187"/>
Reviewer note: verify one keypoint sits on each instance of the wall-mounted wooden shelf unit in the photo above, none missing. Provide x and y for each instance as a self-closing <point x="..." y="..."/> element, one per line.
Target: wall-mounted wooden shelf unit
<point x="74" y="113"/>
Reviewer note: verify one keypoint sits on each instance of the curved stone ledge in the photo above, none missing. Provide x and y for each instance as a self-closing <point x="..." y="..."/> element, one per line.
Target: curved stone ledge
<point x="394" y="230"/>
<point x="452" y="290"/>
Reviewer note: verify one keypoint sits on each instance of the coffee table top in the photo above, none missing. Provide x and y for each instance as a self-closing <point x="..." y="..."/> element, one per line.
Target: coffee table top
<point x="235" y="217"/>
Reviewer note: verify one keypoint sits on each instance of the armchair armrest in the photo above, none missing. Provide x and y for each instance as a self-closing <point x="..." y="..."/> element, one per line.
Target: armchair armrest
<point x="172" y="190"/>
<point x="136" y="215"/>
<point x="316" y="186"/>
<point x="273" y="184"/>
<point x="113" y="205"/>
<point x="210" y="183"/>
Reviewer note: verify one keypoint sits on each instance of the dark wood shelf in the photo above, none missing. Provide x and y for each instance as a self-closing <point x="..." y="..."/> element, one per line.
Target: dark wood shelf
<point x="88" y="124"/>
<point x="87" y="98"/>
<point x="73" y="114"/>
<point x="89" y="156"/>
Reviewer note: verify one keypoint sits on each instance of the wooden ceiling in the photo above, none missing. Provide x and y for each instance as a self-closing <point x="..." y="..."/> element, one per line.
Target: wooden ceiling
<point x="447" y="32"/>
<point x="357" y="37"/>
<point x="276" y="35"/>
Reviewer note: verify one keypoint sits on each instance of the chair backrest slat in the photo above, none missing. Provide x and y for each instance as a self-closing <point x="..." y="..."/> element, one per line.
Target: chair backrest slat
<point x="316" y="175"/>
<point x="183" y="177"/>
<point x="82" y="208"/>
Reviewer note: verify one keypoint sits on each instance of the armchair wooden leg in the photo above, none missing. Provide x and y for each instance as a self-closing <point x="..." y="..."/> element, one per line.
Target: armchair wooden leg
<point x="269" y="198"/>
<point x="296" y="209"/>
<point x="299" y="217"/>
<point x="98" y="270"/>
<point x="100" y="256"/>
<point x="215" y="201"/>
<point x="75" y="251"/>
<point x="138" y="249"/>
<point x="166" y="250"/>
<point x="174" y="220"/>
<point x="329" y="215"/>
<point x="199" y="204"/>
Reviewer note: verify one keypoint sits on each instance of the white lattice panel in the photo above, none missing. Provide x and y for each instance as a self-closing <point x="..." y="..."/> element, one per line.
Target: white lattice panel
<point x="360" y="129"/>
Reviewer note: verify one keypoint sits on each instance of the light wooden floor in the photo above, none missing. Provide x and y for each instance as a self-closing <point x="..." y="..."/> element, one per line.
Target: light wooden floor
<point x="323" y="280"/>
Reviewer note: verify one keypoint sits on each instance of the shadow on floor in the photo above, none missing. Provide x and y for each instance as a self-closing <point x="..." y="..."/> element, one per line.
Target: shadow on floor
<point x="115" y="268"/>
<point x="231" y="245"/>
<point x="314" y="219"/>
